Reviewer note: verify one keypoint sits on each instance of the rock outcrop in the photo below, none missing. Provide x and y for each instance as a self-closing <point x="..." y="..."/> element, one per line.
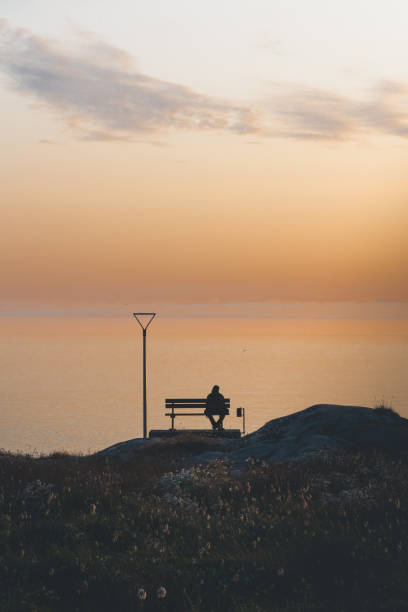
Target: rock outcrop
<point x="323" y="428"/>
<point x="125" y="450"/>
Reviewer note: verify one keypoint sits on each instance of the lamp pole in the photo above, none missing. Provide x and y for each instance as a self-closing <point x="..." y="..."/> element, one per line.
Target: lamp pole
<point x="144" y="324"/>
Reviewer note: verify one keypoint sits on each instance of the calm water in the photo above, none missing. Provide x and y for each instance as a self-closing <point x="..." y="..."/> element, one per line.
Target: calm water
<point x="75" y="384"/>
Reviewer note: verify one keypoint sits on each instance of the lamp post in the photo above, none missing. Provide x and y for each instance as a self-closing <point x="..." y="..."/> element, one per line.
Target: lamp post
<point x="144" y="324"/>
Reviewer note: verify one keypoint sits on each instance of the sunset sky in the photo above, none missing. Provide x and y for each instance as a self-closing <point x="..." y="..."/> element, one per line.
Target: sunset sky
<point x="230" y="152"/>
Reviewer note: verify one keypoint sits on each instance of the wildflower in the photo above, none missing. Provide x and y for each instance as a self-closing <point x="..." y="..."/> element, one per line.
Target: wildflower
<point x="161" y="592"/>
<point x="142" y="594"/>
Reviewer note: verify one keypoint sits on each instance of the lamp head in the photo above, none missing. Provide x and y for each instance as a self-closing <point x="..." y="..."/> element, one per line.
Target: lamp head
<point x="144" y="318"/>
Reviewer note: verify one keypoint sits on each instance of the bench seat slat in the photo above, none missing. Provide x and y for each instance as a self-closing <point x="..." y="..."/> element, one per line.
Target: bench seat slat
<point x="184" y="400"/>
<point x="200" y="400"/>
<point x="178" y="406"/>
<point x="191" y="405"/>
<point x="185" y="414"/>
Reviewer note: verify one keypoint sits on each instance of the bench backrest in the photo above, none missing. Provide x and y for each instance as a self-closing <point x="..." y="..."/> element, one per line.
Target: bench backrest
<point x="199" y="403"/>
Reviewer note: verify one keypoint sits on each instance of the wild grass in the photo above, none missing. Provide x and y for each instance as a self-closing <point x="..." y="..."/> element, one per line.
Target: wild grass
<point x="86" y="534"/>
<point x="384" y="407"/>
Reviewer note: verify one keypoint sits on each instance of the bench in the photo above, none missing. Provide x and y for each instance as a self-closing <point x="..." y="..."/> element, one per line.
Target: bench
<point x="188" y="404"/>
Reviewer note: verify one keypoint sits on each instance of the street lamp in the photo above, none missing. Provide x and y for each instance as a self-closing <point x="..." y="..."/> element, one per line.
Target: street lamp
<point x="144" y="319"/>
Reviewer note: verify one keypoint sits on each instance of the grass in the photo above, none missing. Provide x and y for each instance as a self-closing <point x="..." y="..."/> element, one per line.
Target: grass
<point x="384" y="407"/>
<point x="86" y="534"/>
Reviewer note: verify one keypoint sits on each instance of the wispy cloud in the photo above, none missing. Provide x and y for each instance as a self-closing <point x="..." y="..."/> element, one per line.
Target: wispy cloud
<point x="314" y="114"/>
<point x="102" y="95"/>
<point x="100" y="91"/>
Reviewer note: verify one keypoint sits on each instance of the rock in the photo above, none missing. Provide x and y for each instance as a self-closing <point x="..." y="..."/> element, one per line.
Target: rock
<point x="125" y="450"/>
<point x="323" y="428"/>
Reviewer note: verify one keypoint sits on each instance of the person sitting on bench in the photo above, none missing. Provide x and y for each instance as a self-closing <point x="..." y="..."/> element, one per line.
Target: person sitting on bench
<point x="216" y="406"/>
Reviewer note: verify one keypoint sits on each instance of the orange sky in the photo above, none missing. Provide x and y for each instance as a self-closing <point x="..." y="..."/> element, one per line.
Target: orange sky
<point x="99" y="208"/>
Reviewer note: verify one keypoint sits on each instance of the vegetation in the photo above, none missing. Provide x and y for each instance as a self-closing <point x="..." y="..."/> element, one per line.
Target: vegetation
<point x="88" y="534"/>
<point x="384" y="408"/>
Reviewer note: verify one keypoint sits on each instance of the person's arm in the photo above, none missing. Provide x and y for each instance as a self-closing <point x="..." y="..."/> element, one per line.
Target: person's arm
<point x="225" y="409"/>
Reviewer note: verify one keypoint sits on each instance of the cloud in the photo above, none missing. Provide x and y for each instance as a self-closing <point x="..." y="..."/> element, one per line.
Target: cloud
<point x="306" y="113"/>
<point x="100" y="91"/>
<point x="388" y="110"/>
<point x="102" y="95"/>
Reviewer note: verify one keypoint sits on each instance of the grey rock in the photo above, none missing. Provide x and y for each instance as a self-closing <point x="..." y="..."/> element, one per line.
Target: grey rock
<point x="125" y="450"/>
<point x="323" y="428"/>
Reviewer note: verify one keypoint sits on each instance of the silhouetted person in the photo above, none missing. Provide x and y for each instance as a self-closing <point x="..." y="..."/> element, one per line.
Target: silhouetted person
<point x="216" y="406"/>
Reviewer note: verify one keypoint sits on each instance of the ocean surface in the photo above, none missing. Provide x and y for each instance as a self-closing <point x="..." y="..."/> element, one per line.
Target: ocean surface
<point x="75" y="383"/>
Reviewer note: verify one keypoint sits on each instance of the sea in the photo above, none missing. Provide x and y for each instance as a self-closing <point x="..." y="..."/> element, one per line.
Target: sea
<point x="75" y="383"/>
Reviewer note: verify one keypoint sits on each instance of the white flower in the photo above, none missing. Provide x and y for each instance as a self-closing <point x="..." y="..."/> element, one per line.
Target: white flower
<point x="161" y="592"/>
<point x="142" y="594"/>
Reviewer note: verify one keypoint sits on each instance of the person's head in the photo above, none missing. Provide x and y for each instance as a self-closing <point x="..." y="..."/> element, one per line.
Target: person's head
<point x="215" y="389"/>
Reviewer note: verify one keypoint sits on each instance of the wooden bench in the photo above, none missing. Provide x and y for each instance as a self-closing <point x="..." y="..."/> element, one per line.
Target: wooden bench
<point x="188" y="404"/>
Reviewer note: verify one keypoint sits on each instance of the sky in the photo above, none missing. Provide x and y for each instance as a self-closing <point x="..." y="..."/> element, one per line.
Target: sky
<point x="180" y="155"/>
